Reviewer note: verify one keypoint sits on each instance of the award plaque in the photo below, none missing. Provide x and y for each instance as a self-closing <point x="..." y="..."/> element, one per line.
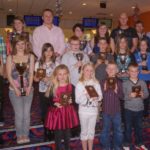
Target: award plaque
<point x="91" y="91"/>
<point x="102" y="56"/>
<point x="123" y="61"/>
<point x="111" y="83"/>
<point x="137" y="90"/>
<point x="79" y="57"/>
<point x="65" y="97"/>
<point x="21" y="67"/>
<point x="41" y="73"/>
<point x="144" y="58"/>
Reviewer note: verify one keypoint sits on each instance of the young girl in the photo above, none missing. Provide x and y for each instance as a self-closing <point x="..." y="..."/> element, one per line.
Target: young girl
<point x="123" y="58"/>
<point x="88" y="107"/>
<point x="21" y="104"/>
<point x="62" y="117"/>
<point x="48" y="63"/>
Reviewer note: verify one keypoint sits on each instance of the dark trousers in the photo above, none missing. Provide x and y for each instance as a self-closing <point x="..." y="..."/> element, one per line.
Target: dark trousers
<point x="135" y="120"/>
<point x="1" y="98"/>
<point x="62" y="134"/>
<point x="44" y="104"/>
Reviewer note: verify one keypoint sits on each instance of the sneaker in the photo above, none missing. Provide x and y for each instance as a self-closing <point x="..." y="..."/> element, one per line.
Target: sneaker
<point x="126" y="147"/>
<point x="1" y="124"/>
<point x="26" y="139"/>
<point x="142" y="147"/>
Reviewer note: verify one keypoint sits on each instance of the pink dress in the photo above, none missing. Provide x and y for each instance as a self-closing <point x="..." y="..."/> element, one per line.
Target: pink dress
<point x="61" y="118"/>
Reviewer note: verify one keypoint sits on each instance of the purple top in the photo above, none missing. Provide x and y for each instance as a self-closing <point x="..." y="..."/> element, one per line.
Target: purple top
<point x="111" y="100"/>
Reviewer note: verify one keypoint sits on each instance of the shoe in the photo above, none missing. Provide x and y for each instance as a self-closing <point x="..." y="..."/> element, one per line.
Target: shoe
<point x="20" y="141"/>
<point x="126" y="147"/>
<point x="26" y="140"/>
<point x="142" y="147"/>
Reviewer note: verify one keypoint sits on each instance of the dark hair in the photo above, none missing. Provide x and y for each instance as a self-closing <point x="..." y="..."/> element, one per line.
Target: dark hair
<point x="47" y="9"/>
<point x="18" y="18"/>
<point x="139" y="22"/>
<point x="44" y="49"/>
<point x="73" y="38"/>
<point x="103" y="39"/>
<point x="144" y="40"/>
<point x="17" y="39"/>
<point x="78" y="25"/>
<point x="97" y="36"/>
<point x="133" y="64"/>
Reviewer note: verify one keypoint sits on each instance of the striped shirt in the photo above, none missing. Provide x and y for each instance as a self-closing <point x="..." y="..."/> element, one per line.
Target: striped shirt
<point x="111" y="100"/>
<point x="3" y="50"/>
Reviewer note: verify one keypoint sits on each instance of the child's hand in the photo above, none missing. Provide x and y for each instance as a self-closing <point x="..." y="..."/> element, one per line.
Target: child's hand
<point x="70" y="101"/>
<point x="133" y="94"/>
<point x="28" y="90"/>
<point x="116" y="89"/>
<point x="58" y="105"/>
<point x="17" y="92"/>
<point x="46" y="79"/>
<point x="78" y="64"/>
<point x="142" y="94"/>
<point x="145" y="71"/>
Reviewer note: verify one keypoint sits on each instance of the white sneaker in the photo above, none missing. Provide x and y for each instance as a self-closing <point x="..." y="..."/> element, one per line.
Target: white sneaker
<point x="126" y="147"/>
<point x="142" y="147"/>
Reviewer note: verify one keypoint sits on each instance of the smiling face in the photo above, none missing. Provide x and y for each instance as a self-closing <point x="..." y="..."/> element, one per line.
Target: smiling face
<point x="102" y="30"/>
<point x="62" y="76"/>
<point x="20" y="46"/>
<point x="111" y="70"/>
<point x="103" y="45"/>
<point x="133" y="72"/>
<point x="48" y="53"/>
<point x="143" y="47"/>
<point x="123" y="19"/>
<point x="47" y="18"/>
<point x="18" y="25"/>
<point x="74" y="45"/>
<point x="78" y="32"/>
<point x="88" y="72"/>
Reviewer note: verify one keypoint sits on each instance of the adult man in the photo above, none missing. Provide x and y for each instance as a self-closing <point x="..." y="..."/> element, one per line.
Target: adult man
<point x="48" y="33"/>
<point x="125" y="30"/>
<point x="139" y="26"/>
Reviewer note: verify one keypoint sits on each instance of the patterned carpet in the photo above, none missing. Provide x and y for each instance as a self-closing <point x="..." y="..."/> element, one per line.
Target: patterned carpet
<point x="8" y="135"/>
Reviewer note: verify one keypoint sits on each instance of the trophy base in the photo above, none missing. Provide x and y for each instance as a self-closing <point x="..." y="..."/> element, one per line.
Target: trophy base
<point x="23" y="94"/>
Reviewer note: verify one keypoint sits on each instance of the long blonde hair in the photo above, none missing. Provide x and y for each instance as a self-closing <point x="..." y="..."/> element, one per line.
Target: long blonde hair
<point x="55" y="82"/>
<point x="81" y="78"/>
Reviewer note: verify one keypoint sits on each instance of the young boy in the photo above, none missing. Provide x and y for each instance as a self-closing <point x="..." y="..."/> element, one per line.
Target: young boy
<point x="112" y="93"/>
<point x="73" y="62"/>
<point x="100" y="65"/>
<point x="135" y="91"/>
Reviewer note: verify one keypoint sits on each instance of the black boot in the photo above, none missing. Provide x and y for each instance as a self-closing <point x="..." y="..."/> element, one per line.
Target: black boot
<point x="48" y="135"/>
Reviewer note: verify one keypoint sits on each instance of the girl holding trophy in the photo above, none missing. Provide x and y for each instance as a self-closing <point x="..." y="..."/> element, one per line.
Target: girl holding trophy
<point x="43" y="71"/>
<point x="20" y="66"/>
<point x="62" y="116"/>
<point x="88" y="94"/>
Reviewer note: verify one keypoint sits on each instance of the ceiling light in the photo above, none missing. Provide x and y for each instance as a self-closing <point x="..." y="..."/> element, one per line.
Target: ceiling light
<point x="10" y="10"/>
<point x="133" y="7"/>
<point x="111" y="15"/>
<point x="84" y="4"/>
<point x="70" y="12"/>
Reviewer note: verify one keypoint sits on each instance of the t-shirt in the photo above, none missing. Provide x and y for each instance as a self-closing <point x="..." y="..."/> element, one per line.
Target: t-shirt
<point x="129" y="33"/>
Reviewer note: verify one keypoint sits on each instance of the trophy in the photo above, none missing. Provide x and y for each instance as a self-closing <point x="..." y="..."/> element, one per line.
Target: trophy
<point x="111" y="83"/>
<point x="102" y="56"/>
<point x="83" y="44"/>
<point x="91" y="91"/>
<point x="41" y="73"/>
<point x="65" y="97"/>
<point x="137" y="90"/>
<point x="123" y="59"/>
<point x="79" y="57"/>
<point x="21" y="67"/>
<point x="144" y="58"/>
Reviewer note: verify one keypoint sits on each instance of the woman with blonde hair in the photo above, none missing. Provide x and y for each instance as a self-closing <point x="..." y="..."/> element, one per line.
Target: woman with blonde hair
<point x="88" y="104"/>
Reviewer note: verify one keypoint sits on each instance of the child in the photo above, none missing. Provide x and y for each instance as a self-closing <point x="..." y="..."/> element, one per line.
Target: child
<point x="21" y="98"/>
<point x="88" y="107"/>
<point x="134" y="107"/>
<point x="123" y="58"/>
<point x="73" y="62"/>
<point x="112" y="93"/>
<point x="48" y="63"/>
<point x="62" y="117"/>
<point x="144" y="67"/>
<point x="100" y="65"/>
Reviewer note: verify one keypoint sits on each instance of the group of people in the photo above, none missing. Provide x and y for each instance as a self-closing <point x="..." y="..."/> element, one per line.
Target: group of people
<point x="77" y="80"/>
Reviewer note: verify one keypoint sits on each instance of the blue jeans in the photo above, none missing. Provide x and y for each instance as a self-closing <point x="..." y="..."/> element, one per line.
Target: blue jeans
<point x="133" y="119"/>
<point x="115" y="120"/>
<point x="22" y="107"/>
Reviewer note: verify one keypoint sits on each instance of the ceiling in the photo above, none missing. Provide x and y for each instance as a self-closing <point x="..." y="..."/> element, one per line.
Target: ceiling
<point x="92" y="9"/>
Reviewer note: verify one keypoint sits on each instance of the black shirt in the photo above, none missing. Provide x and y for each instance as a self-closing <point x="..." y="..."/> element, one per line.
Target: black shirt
<point x="129" y="33"/>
